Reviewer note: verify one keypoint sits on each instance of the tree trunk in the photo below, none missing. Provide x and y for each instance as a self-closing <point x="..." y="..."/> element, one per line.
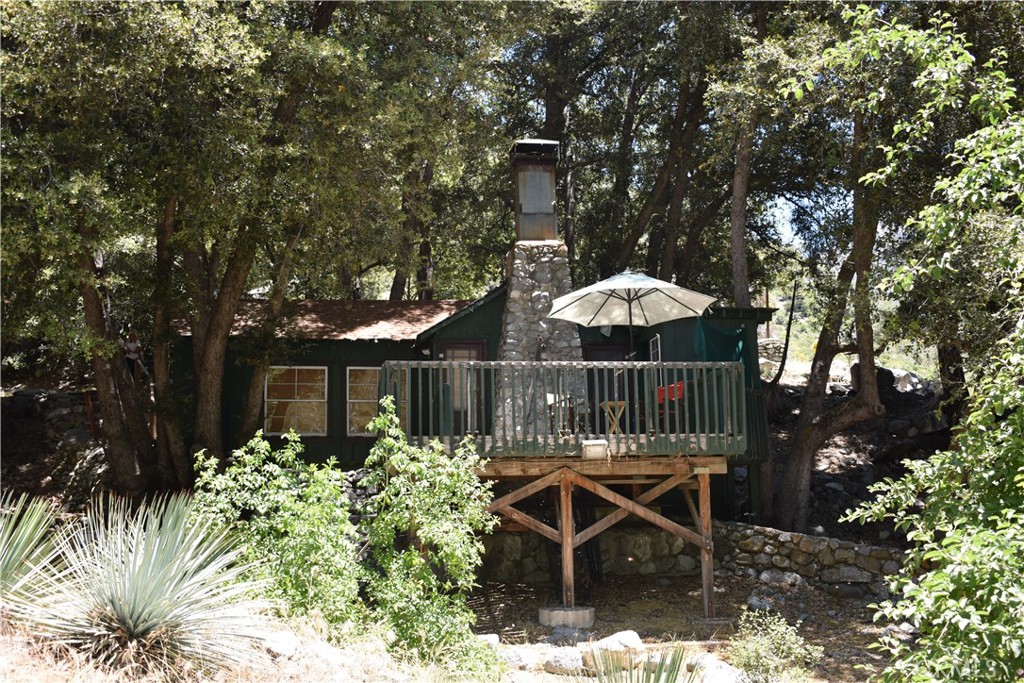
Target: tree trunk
<point x="569" y="212"/>
<point x="688" y="116"/>
<point x="271" y="319"/>
<point x="695" y="230"/>
<point x="173" y="458"/>
<point x="623" y="163"/>
<point x="129" y="448"/>
<point x="738" y="214"/>
<point x="954" y="383"/>
<point x="673" y="220"/>
<point x="417" y="183"/>
<point x="815" y="426"/>
<point x="214" y="323"/>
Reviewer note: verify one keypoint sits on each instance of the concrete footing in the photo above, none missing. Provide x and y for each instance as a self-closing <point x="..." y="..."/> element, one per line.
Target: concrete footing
<point x="573" y="617"/>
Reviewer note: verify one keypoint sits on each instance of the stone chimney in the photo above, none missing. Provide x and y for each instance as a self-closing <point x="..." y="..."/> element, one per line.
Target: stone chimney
<point x="537" y="273"/>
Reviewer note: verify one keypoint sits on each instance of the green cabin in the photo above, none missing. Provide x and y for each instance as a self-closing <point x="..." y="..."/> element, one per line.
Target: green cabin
<point x="327" y="359"/>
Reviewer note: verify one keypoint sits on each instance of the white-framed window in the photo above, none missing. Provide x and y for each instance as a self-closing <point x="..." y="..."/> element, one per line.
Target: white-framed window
<point x="363" y="398"/>
<point x="295" y="398"/>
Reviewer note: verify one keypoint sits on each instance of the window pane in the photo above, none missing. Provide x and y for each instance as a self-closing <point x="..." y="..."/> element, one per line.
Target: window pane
<point x="281" y="391"/>
<point x="312" y="391"/>
<point x="363" y="375"/>
<point x="281" y="375"/>
<point x="363" y="392"/>
<point x="310" y="375"/>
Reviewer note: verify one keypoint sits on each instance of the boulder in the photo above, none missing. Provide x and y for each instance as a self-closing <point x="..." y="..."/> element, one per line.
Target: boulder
<point x="564" y="661"/>
<point x="625" y="646"/>
<point x="714" y="670"/>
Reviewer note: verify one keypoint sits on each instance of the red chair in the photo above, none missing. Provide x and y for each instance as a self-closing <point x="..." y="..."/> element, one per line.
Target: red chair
<point x="673" y="395"/>
<point x="674" y="392"/>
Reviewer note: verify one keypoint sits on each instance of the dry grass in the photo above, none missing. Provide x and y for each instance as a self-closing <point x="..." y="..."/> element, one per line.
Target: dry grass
<point x="290" y="657"/>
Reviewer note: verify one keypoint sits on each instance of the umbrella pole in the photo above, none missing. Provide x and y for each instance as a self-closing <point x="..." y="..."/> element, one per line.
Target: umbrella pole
<point x="632" y="353"/>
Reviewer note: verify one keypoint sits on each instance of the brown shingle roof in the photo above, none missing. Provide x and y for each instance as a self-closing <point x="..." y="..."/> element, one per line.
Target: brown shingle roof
<point x="353" y="320"/>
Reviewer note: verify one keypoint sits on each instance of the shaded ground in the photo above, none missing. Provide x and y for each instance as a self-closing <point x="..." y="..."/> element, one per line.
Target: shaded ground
<point x="663" y="610"/>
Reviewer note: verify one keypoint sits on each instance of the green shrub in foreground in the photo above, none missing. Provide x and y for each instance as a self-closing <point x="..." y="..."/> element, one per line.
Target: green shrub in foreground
<point x="294" y="519"/>
<point x="767" y="649"/>
<point x="427" y="513"/>
<point x="146" y="591"/>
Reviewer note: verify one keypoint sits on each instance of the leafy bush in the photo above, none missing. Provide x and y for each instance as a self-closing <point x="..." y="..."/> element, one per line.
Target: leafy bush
<point x="428" y="510"/>
<point x="146" y="590"/>
<point x="26" y="544"/>
<point x="969" y="606"/>
<point x="767" y="649"/>
<point x="294" y="518"/>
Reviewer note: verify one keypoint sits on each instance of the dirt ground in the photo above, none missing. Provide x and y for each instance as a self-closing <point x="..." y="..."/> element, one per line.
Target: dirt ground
<point x="663" y="610"/>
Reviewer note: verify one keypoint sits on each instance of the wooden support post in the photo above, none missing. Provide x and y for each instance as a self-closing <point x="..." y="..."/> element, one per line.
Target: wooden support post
<point x="707" y="557"/>
<point x="568" y="588"/>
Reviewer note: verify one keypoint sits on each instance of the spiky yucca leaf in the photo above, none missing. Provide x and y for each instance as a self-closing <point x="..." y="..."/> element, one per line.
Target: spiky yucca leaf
<point x="618" y="667"/>
<point x="26" y="544"/>
<point x="149" y="589"/>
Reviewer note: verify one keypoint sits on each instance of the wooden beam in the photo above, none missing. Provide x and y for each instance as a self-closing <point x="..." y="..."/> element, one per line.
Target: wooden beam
<point x="620" y="514"/>
<point x="530" y="522"/>
<point x="707" y="558"/>
<point x="506" y="467"/>
<point x="568" y="587"/>
<point x="694" y="515"/>
<point x="638" y="510"/>
<point x="526" y="491"/>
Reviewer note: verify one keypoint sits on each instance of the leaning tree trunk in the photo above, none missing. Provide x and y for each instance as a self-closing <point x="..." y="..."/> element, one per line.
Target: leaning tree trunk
<point x="815" y="426"/>
<point x="212" y="327"/>
<point x="128" y="448"/>
<point x="271" y="319"/>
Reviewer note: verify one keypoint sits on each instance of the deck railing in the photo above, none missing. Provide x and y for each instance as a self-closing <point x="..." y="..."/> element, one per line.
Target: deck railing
<point x="557" y="408"/>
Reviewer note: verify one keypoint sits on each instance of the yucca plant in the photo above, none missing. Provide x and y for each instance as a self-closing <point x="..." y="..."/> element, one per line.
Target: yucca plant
<point x="149" y="590"/>
<point x="666" y="667"/>
<point x="26" y="544"/>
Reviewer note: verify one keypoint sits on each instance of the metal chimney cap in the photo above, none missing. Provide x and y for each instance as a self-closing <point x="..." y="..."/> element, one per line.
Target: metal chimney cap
<point x="541" y="150"/>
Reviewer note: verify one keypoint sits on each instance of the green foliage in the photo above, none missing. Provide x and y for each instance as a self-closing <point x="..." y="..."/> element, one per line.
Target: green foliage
<point x="26" y="544"/>
<point x="147" y="590"/>
<point x="427" y="513"/>
<point x="962" y="586"/>
<point x="767" y="649"/>
<point x="294" y="517"/>
<point x="968" y="606"/>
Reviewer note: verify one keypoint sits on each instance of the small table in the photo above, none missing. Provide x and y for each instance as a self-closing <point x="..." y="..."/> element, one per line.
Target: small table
<point x="613" y="410"/>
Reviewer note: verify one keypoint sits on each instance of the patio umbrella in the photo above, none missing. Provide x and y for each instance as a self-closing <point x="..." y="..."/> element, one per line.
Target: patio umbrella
<point x="629" y="299"/>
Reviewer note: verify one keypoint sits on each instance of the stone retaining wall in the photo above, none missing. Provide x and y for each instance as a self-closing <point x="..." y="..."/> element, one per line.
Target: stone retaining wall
<point x="841" y="567"/>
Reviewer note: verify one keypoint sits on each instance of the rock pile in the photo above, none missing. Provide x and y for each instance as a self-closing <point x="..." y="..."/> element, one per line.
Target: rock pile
<point x="55" y="425"/>
<point x="624" y="650"/>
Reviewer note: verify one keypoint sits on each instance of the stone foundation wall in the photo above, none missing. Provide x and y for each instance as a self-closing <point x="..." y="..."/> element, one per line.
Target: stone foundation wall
<point x="841" y="567"/>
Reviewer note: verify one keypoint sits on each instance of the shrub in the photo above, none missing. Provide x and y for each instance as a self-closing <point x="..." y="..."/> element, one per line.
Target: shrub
<point x="147" y="590"/>
<point x="294" y="518"/>
<point x="423" y="530"/>
<point x="766" y="648"/>
<point x="26" y="544"/>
